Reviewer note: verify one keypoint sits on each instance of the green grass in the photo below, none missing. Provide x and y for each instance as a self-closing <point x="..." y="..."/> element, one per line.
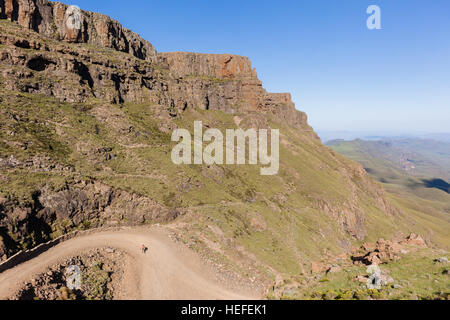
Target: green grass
<point x="123" y="147"/>
<point x="416" y="276"/>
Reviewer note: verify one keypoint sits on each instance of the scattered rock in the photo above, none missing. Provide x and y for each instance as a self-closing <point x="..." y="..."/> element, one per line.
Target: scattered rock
<point x="101" y="279"/>
<point x="341" y="257"/>
<point x="385" y="250"/>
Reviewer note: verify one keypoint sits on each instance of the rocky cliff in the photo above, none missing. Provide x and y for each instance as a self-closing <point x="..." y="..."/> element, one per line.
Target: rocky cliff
<point x="87" y="109"/>
<point x="228" y="82"/>
<point x="69" y="23"/>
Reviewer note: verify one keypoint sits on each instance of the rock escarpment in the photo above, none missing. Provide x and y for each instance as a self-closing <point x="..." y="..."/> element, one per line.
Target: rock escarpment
<point x="89" y="97"/>
<point x="69" y="23"/>
<point x="230" y="84"/>
<point x="88" y="203"/>
<point x="177" y="80"/>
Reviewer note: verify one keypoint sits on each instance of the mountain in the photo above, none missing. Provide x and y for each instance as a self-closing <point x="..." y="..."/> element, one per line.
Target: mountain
<point x="328" y="136"/>
<point x="428" y="159"/>
<point x="415" y="172"/>
<point x="87" y="111"/>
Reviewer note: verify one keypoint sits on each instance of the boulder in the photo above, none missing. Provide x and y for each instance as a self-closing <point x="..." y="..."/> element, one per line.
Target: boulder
<point x="373" y="258"/>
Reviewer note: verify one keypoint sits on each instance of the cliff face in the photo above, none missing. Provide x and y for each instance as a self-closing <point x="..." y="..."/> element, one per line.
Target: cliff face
<point x="59" y="21"/>
<point x="228" y="83"/>
<point x="92" y="104"/>
<point x="178" y="80"/>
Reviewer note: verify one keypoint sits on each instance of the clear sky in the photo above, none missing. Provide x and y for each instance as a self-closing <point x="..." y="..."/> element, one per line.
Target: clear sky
<point x="343" y="75"/>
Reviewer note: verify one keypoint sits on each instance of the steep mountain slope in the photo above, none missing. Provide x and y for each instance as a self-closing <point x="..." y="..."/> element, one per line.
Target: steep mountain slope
<point x="411" y="157"/>
<point x="413" y="171"/>
<point x="86" y="117"/>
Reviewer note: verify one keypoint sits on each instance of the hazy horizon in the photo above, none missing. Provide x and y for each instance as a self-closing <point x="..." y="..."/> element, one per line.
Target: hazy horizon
<point x="328" y="135"/>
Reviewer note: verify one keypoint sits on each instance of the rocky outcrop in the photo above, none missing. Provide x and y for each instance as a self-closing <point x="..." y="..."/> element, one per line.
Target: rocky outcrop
<point x="72" y="76"/>
<point x="43" y="56"/>
<point x="176" y="81"/>
<point x="208" y="81"/>
<point x="281" y="105"/>
<point x="228" y="83"/>
<point x="216" y="66"/>
<point x="71" y="24"/>
<point x="90" y="203"/>
<point x="385" y="250"/>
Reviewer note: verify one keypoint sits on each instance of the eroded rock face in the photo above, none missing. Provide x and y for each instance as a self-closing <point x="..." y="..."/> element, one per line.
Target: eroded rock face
<point x="85" y="202"/>
<point x="171" y="83"/>
<point x="227" y="80"/>
<point x="207" y="81"/>
<point x="219" y="66"/>
<point x="71" y="24"/>
<point x="227" y="83"/>
<point x="187" y="80"/>
<point x="90" y="201"/>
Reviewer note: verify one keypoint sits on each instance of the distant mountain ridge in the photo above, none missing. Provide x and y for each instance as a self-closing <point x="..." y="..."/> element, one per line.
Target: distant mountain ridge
<point x="328" y="136"/>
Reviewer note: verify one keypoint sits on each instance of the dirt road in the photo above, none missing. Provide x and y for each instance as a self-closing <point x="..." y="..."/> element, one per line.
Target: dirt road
<point x="167" y="271"/>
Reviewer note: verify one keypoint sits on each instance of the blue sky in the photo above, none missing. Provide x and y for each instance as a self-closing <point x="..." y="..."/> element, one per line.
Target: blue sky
<point x="344" y="76"/>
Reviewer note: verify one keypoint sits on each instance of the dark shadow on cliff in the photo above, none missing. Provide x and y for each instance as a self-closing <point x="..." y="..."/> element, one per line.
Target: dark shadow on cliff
<point x="2" y="9"/>
<point x="8" y="242"/>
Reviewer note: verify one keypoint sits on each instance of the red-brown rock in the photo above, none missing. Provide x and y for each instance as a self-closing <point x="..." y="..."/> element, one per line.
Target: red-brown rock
<point x="68" y="23"/>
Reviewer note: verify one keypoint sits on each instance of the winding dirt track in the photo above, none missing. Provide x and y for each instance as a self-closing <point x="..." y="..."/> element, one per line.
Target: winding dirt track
<point x="167" y="271"/>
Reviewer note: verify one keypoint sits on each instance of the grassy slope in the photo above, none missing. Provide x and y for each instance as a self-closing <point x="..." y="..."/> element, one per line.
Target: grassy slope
<point x="425" y="207"/>
<point x="271" y="223"/>
<point x="416" y="276"/>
